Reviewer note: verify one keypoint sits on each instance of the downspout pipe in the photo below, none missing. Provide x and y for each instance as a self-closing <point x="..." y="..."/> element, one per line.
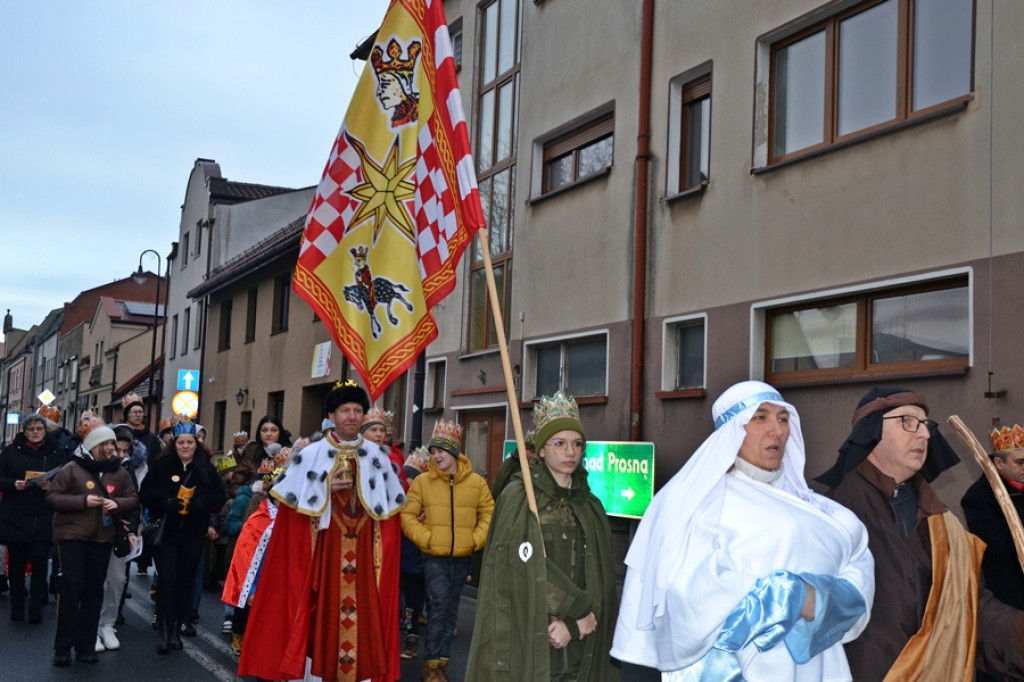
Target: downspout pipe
<point x="643" y="162"/>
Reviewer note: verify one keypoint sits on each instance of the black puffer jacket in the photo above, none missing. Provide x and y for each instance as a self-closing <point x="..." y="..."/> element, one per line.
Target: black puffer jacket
<point x="161" y="485"/>
<point x="24" y="514"/>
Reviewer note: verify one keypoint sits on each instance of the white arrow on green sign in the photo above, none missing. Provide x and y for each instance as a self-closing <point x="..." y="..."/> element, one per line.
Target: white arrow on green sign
<point x="620" y="474"/>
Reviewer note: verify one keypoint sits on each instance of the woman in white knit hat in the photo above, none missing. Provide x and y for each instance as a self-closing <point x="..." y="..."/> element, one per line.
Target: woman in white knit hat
<point x="89" y="495"/>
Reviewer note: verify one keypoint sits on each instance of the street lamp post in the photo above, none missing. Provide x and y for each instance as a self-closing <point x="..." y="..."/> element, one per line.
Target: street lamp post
<point x="140" y="278"/>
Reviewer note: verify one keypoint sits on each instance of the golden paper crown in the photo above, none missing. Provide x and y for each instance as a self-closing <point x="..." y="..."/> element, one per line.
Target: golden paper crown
<point x="348" y="383"/>
<point x="87" y="423"/>
<point x="166" y="423"/>
<point x="447" y="436"/>
<point x="280" y="459"/>
<point x="241" y="438"/>
<point x="130" y="398"/>
<point x="226" y="463"/>
<point x="396" y="62"/>
<point x="1007" y="438"/>
<point x="376" y="414"/>
<point x="51" y="412"/>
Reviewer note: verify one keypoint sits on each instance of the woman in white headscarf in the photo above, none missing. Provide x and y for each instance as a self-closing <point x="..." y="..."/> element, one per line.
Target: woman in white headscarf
<point x="738" y="570"/>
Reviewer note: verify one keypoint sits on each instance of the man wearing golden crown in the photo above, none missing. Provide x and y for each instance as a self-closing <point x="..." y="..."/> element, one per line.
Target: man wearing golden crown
<point x="332" y="562"/>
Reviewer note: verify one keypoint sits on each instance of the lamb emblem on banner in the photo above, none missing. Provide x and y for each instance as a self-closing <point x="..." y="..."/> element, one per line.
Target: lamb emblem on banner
<point x="368" y="292"/>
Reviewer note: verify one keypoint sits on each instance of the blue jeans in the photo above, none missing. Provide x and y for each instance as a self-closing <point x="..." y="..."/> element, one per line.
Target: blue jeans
<point x="444" y="577"/>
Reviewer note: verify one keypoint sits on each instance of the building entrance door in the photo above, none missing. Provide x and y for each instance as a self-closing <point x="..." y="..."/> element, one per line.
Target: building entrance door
<point x="484" y="434"/>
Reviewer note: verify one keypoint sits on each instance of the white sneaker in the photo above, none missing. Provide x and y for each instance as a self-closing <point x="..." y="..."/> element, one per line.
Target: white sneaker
<point x="99" y="645"/>
<point x="109" y="639"/>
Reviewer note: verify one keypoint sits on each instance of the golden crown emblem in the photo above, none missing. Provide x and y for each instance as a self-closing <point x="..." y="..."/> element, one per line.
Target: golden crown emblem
<point x="130" y="398"/>
<point x="396" y="62"/>
<point x="1007" y="438"/>
<point x="359" y="251"/>
<point x="553" y="407"/>
<point x="348" y="383"/>
<point x="376" y="414"/>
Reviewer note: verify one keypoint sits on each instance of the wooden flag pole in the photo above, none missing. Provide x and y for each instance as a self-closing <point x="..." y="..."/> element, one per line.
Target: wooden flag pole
<point x="513" y="402"/>
<point x="994" y="480"/>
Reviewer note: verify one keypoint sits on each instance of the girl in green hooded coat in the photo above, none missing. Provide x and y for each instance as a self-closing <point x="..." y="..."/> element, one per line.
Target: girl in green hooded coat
<point x="546" y="609"/>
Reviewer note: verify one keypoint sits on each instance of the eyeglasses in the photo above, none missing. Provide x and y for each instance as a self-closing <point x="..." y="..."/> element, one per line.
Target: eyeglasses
<point x="911" y="424"/>
<point x="560" y="445"/>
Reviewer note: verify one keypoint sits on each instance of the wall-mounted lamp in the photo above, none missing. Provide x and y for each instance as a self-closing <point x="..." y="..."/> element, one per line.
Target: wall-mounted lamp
<point x="242" y="394"/>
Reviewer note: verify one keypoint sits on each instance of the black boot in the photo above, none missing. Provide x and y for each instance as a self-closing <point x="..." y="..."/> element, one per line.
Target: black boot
<point x="163" y="641"/>
<point x="175" y="635"/>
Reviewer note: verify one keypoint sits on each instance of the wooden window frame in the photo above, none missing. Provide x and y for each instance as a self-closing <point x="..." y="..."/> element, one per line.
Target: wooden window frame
<point x="570" y="144"/>
<point x="863" y="368"/>
<point x="694" y="91"/>
<point x="904" y="113"/>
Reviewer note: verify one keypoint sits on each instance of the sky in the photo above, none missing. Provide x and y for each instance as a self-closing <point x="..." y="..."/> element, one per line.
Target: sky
<point x="105" y="106"/>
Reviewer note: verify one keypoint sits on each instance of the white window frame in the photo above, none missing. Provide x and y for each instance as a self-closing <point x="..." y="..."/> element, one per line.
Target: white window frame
<point x="529" y="390"/>
<point x="670" y="350"/>
<point x="758" y="333"/>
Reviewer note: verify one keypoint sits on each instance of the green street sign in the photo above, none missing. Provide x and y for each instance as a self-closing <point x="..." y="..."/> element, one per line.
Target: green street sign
<point x="620" y="474"/>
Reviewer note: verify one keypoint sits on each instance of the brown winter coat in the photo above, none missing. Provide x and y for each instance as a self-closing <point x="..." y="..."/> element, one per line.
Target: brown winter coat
<point x="73" y="520"/>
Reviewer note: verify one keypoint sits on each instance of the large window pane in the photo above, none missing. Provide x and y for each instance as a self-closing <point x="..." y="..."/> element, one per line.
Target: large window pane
<point x="942" y="50"/>
<point x="816" y="338"/>
<point x="559" y="172"/>
<point x="927" y="326"/>
<point x="800" y="94"/>
<point x="485" y="147"/>
<point x="596" y="156"/>
<point x="507" y="48"/>
<point x="691" y="356"/>
<point x="549" y="364"/>
<point x="585" y="368"/>
<point x="477" y="310"/>
<point x="867" y="68"/>
<point x="499" y="213"/>
<point x="505" y="105"/>
<point x="698" y="141"/>
<point x="489" y="48"/>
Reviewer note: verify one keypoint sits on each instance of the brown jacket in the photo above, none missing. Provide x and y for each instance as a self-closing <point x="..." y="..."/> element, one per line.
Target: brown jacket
<point x="73" y="520"/>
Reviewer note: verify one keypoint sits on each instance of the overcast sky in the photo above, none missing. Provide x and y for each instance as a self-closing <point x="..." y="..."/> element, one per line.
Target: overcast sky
<point x="106" y="104"/>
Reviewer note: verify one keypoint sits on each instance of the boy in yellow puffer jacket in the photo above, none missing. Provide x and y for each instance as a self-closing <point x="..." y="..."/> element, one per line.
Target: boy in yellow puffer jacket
<point x="447" y="517"/>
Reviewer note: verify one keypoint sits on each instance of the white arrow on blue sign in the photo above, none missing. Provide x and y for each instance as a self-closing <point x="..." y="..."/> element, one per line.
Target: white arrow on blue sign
<point x="188" y="379"/>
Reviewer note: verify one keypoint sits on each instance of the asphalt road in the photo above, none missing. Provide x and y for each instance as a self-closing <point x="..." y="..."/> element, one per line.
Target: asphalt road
<point x="26" y="650"/>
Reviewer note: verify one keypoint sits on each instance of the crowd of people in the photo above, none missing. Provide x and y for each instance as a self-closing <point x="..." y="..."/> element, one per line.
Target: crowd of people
<point x="738" y="570"/>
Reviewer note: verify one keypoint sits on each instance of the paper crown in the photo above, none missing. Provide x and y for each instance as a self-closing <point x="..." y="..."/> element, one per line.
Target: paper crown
<point x="87" y="423"/>
<point x="348" y="383"/>
<point x="241" y="438"/>
<point x="130" y="399"/>
<point x="447" y="436"/>
<point x="51" y="412"/>
<point x="166" y="424"/>
<point x="279" y="459"/>
<point x="418" y="458"/>
<point x="1007" y="438"/>
<point x="269" y="478"/>
<point x="184" y="426"/>
<point x="226" y="463"/>
<point x="554" y="407"/>
<point x="552" y="414"/>
<point x="376" y="414"/>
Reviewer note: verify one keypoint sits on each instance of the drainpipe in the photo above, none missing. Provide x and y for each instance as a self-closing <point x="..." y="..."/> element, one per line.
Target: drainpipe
<point x="643" y="160"/>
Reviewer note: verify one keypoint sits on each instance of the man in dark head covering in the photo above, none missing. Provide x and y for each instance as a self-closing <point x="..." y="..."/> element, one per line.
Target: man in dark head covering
<point x="930" y="616"/>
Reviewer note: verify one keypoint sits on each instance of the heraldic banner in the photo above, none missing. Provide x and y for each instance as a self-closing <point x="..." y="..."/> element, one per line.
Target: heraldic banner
<point x="398" y="202"/>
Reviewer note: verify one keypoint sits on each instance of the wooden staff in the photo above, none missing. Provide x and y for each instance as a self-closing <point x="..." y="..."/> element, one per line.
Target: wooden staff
<point x="513" y="402"/>
<point x="994" y="480"/>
